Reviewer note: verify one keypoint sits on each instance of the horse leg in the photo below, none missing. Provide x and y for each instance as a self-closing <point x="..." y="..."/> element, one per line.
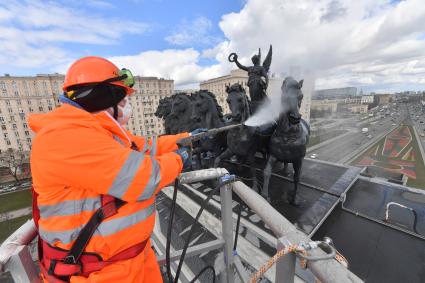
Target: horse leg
<point x="267" y="174"/>
<point x="297" y="172"/>
<point x="227" y="153"/>
<point x="250" y="162"/>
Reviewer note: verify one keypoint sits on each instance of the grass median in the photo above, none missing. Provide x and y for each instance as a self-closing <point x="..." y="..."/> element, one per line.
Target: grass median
<point x="15" y="200"/>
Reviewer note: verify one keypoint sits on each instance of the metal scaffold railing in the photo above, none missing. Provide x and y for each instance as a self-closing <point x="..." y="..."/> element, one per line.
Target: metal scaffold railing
<point x="317" y="256"/>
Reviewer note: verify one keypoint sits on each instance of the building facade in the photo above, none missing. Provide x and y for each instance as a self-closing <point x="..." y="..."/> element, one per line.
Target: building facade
<point x="144" y="102"/>
<point x="336" y="92"/>
<point x="21" y="96"/>
<point x="324" y="105"/>
<point x="218" y="86"/>
<point x="367" y="99"/>
<point x="358" y="108"/>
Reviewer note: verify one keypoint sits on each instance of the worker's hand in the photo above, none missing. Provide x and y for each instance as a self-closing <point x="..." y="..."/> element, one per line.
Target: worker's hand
<point x="185" y="156"/>
<point x="198" y="131"/>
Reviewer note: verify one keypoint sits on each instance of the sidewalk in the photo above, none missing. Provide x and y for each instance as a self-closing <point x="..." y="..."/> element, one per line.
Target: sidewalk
<point x="15" y="214"/>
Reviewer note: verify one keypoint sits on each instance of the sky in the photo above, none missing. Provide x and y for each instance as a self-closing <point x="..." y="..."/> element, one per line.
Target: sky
<point x="375" y="45"/>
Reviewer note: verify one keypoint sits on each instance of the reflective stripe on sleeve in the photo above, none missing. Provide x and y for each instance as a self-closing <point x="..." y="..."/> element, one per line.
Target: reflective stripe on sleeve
<point x="105" y="228"/>
<point x="118" y="140"/>
<point x="154" y="144"/>
<point x="153" y="182"/>
<point x="126" y="175"/>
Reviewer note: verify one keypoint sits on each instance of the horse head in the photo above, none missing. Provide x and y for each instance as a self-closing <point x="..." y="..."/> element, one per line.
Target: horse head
<point x="238" y="103"/>
<point x="164" y="107"/>
<point x="181" y="103"/>
<point x="291" y="98"/>
<point x="206" y="110"/>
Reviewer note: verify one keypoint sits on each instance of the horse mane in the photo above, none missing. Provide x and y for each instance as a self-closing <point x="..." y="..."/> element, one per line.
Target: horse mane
<point x="235" y="87"/>
<point x="212" y="96"/>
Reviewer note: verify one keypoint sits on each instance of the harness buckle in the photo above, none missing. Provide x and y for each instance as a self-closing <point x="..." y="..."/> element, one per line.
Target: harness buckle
<point x="70" y="259"/>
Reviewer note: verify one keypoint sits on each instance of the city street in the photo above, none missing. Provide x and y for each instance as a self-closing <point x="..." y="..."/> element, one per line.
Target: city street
<point x="337" y="150"/>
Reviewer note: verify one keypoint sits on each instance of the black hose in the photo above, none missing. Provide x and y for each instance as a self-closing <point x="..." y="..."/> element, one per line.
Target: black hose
<point x="170" y="225"/>
<point x="204" y="204"/>
<point x="202" y="271"/>
<point x="238" y="221"/>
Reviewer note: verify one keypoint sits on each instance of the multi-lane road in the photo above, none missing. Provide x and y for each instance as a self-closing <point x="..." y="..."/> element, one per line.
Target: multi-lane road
<point x="339" y="149"/>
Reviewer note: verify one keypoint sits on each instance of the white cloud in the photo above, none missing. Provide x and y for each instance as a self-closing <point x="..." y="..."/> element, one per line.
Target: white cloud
<point x="370" y="43"/>
<point x="180" y="65"/>
<point x="189" y="33"/>
<point x="32" y="36"/>
<point x="364" y="42"/>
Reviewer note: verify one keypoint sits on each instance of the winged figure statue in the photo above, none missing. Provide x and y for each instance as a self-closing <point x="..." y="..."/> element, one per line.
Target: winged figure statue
<point x="258" y="79"/>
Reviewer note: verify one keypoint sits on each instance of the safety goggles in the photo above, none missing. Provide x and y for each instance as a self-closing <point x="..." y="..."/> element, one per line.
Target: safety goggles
<point x="124" y="75"/>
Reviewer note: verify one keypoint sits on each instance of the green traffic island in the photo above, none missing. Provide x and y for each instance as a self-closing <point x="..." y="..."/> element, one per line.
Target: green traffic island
<point x="397" y="152"/>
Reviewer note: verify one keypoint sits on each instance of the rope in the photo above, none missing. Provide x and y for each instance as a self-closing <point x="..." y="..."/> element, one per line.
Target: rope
<point x="291" y="249"/>
<point x="263" y="269"/>
<point x="341" y="259"/>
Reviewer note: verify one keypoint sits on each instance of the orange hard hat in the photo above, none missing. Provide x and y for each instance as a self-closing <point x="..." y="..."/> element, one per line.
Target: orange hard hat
<point x="91" y="70"/>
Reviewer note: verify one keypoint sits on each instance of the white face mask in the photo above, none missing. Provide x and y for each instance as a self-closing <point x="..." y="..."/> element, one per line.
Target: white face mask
<point x="126" y="113"/>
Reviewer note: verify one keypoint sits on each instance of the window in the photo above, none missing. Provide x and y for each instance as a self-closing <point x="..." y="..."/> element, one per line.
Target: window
<point x="29" y="102"/>
<point x="3" y="127"/>
<point x="14" y="126"/>
<point x="5" y="135"/>
<point x="1" y="119"/>
<point x="10" y="110"/>
<point x="49" y="107"/>
<point x="8" y="102"/>
<point x="8" y="142"/>
<point x="3" y="88"/>
<point x="28" y="140"/>
<point x="16" y="134"/>
<point x="40" y="108"/>
<point x="30" y="109"/>
<point x="25" y="126"/>
<point x="27" y="133"/>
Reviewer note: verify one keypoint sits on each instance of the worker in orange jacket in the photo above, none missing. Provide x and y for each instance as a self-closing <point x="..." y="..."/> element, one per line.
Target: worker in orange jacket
<point x="96" y="182"/>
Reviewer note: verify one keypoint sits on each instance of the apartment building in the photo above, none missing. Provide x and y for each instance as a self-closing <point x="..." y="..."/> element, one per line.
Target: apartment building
<point x="144" y="102"/>
<point x="218" y="86"/>
<point x="21" y="96"/>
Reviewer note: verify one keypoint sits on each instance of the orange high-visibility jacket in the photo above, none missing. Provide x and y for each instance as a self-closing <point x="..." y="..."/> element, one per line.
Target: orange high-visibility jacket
<point x="77" y="157"/>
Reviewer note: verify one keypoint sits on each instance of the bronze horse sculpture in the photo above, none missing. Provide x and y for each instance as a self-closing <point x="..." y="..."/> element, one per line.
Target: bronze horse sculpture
<point x="289" y="141"/>
<point x="243" y="141"/>
<point x="208" y="114"/>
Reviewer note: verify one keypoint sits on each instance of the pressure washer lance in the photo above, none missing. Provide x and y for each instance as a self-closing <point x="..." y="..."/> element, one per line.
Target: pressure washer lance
<point x="187" y="141"/>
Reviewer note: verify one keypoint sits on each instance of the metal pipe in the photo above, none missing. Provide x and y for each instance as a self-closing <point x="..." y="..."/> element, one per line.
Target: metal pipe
<point x="356" y="213"/>
<point x="21" y="237"/>
<point x="415" y="215"/>
<point x="227" y="231"/>
<point x="326" y="270"/>
<point x="201" y="175"/>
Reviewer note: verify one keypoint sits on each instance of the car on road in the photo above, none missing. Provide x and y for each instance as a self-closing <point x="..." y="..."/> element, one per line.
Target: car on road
<point x="421" y="122"/>
<point x="369" y="136"/>
<point x="422" y="135"/>
<point x="313" y="156"/>
<point x="393" y="124"/>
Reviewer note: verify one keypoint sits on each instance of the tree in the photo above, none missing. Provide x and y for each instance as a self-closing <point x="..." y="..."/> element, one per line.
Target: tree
<point x="14" y="160"/>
